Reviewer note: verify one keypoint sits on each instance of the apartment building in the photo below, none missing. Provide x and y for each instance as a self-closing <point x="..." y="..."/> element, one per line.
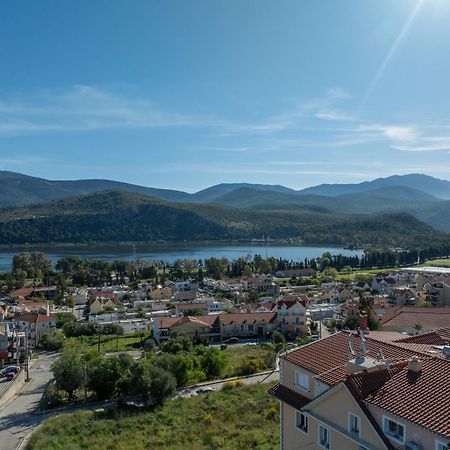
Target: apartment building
<point x="293" y="315"/>
<point x="366" y="392"/>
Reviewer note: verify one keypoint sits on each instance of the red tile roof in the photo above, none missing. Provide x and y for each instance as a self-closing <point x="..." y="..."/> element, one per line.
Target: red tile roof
<point x="435" y="337"/>
<point x="34" y="318"/>
<point x="328" y="357"/>
<point x="422" y="398"/>
<point x="165" y="323"/>
<point x="407" y="317"/>
<point x="249" y="318"/>
<point x="22" y="292"/>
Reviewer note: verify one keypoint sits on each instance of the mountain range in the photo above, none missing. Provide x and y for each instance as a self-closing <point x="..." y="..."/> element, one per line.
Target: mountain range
<point x="397" y="210"/>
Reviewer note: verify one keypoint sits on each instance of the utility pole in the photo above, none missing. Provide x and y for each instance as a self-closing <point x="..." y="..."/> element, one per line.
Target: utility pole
<point x="17" y="348"/>
<point x="27" y="365"/>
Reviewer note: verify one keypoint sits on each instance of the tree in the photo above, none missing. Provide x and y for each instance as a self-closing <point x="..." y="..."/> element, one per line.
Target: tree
<point x="178" y="365"/>
<point x="314" y="327"/>
<point x="247" y="271"/>
<point x="424" y="304"/>
<point x="278" y="338"/>
<point x="103" y="376"/>
<point x="154" y="384"/>
<point x="213" y="362"/>
<point x="69" y="370"/>
<point x="177" y="344"/>
<point x="351" y="322"/>
<point x="51" y="340"/>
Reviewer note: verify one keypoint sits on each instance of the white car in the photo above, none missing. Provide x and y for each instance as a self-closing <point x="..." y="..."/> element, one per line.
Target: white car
<point x="205" y="390"/>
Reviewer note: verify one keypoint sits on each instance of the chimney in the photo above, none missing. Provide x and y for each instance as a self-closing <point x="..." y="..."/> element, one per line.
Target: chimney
<point x="415" y="364"/>
<point x="363" y="323"/>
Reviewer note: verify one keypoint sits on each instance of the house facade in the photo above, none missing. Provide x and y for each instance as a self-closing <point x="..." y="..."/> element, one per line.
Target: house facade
<point x="293" y="315"/>
<point x="357" y="392"/>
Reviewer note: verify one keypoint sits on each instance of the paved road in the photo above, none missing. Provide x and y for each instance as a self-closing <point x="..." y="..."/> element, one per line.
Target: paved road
<point x="218" y="385"/>
<point x="16" y="419"/>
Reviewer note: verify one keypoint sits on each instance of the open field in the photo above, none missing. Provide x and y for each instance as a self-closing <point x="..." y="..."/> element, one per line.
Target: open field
<point x="437" y="263"/>
<point x="110" y="344"/>
<point x="243" y="355"/>
<point x="238" y="418"/>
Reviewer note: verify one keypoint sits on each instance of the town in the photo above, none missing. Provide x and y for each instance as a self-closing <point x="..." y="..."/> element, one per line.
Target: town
<point x="265" y="320"/>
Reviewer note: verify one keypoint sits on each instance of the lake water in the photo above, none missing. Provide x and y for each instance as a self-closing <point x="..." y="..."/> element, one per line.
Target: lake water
<point x="171" y="253"/>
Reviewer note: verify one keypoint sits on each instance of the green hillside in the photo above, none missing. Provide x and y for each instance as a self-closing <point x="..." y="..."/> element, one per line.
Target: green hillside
<point x="116" y="216"/>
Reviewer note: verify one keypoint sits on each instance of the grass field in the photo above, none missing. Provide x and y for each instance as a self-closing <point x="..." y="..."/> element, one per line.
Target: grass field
<point x="109" y="344"/>
<point x="237" y="356"/>
<point x="438" y="263"/>
<point x="237" y="419"/>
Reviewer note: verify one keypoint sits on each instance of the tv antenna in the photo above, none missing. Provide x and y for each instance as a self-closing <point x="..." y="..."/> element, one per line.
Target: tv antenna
<point x="350" y="347"/>
<point x="362" y="343"/>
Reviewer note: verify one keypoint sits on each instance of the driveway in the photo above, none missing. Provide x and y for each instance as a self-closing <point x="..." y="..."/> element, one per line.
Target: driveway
<point x="16" y="419"/>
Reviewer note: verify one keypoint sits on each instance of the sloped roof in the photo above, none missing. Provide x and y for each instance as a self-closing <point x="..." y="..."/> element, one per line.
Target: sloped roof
<point x="422" y="398"/>
<point x="435" y="337"/>
<point x="34" y="318"/>
<point x="247" y="318"/>
<point x="288" y="396"/>
<point x="407" y="317"/>
<point x="171" y="322"/>
<point x="328" y="357"/>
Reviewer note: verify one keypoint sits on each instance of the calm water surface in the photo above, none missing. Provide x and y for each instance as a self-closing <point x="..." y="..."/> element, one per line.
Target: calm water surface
<point x="171" y="253"/>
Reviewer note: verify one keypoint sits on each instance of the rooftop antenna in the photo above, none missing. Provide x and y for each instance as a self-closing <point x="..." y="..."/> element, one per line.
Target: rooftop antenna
<point x="350" y="347"/>
<point x="382" y="355"/>
<point x="362" y="344"/>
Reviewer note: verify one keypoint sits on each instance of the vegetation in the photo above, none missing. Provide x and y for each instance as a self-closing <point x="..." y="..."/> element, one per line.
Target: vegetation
<point x="81" y="372"/>
<point x="239" y="418"/>
<point x="114" y="216"/>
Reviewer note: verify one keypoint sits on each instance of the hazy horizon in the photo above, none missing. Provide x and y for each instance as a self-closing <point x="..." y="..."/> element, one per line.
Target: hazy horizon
<point x="205" y="187"/>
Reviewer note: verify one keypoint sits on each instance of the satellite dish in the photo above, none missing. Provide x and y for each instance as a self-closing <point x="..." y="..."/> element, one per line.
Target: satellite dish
<point x="388" y="363"/>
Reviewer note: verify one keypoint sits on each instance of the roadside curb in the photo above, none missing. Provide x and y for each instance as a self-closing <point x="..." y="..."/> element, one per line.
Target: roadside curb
<point x="227" y="380"/>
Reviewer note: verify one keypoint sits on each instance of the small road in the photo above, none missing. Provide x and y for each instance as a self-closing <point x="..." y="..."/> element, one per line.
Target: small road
<point x="17" y="418"/>
<point x="218" y="385"/>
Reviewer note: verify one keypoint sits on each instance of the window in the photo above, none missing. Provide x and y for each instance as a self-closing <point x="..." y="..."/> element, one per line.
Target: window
<point x="250" y="328"/>
<point x="324" y="437"/>
<point x="301" y="421"/>
<point x="441" y="446"/>
<point x="394" y="429"/>
<point x="354" y="424"/>
<point x="301" y="380"/>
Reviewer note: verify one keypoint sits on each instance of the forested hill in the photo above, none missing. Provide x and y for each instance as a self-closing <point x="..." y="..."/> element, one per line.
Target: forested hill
<point x="116" y="216"/>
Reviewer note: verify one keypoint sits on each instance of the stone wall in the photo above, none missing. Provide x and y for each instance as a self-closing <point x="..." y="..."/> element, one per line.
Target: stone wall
<point x="12" y="388"/>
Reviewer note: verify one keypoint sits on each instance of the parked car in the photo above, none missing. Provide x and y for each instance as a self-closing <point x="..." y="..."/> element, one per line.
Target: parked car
<point x="205" y="390"/>
<point x="10" y="369"/>
<point x="10" y="376"/>
<point x="232" y="340"/>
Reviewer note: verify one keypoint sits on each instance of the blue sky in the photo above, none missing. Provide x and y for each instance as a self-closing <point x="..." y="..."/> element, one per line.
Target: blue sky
<point x="185" y="94"/>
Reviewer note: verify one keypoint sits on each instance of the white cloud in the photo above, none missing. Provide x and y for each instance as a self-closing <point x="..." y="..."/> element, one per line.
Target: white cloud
<point x="84" y="108"/>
